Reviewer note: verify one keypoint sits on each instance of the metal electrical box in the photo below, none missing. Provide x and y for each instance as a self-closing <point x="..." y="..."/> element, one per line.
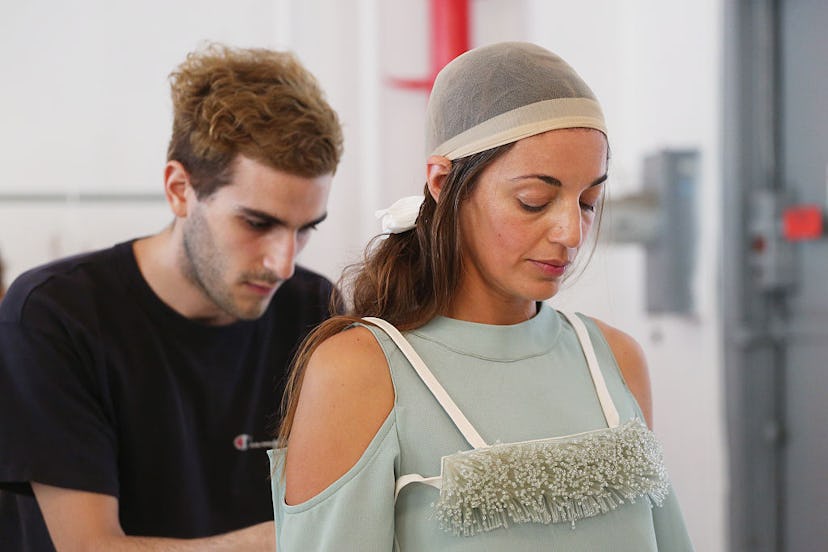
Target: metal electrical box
<point x="672" y="178"/>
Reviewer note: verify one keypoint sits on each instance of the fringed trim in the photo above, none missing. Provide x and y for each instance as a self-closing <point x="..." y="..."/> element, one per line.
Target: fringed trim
<point x="551" y="480"/>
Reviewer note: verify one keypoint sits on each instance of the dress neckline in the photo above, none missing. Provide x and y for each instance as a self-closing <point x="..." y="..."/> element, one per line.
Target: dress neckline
<point x="527" y="339"/>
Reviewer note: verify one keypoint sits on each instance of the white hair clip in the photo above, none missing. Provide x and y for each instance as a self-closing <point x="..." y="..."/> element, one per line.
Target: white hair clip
<point x="401" y="216"/>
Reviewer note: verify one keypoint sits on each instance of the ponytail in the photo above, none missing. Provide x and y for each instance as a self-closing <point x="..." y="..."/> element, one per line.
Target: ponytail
<point x="406" y="278"/>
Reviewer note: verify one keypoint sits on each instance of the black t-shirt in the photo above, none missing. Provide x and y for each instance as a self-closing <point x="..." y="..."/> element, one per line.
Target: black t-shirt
<point x="105" y="388"/>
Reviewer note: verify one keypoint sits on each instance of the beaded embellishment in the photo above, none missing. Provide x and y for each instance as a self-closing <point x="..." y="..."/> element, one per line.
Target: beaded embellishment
<point x="555" y="480"/>
<point x="552" y="480"/>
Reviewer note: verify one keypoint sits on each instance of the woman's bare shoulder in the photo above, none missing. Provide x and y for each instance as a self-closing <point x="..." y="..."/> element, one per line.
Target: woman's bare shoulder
<point x="352" y="354"/>
<point x="633" y="364"/>
<point x="345" y="397"/>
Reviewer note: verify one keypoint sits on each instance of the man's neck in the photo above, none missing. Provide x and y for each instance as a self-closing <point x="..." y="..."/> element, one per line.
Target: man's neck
<point x="159" y="259"/>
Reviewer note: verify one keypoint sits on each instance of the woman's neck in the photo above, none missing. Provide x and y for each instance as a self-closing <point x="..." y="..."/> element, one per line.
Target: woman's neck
<point x="493" y="310"/>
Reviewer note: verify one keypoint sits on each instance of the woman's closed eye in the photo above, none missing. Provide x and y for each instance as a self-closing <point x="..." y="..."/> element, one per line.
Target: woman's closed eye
<point x="308" y="229"/>
<point x="532" y="206"/>
<point x="588" y="207"/>
<point x="585" y="206"/>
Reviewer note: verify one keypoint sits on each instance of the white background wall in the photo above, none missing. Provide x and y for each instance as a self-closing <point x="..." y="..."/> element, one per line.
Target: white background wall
<point x="655" y="65"/>
<point x="84" y="107"/>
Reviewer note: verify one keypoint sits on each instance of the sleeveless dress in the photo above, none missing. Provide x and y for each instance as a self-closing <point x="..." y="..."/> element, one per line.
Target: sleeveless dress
<point x="511" y="384"/>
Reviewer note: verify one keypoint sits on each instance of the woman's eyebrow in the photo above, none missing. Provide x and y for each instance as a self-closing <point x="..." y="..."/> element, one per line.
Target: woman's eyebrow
<point x="552" y="181"/>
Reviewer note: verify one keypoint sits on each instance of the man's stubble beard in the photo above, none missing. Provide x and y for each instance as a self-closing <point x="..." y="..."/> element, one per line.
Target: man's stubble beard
<point x="204" y="265"/>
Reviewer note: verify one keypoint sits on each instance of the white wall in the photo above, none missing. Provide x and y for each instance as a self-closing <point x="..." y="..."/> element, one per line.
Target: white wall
<point x="655" y="65"/>
<point x="85" y="108"/>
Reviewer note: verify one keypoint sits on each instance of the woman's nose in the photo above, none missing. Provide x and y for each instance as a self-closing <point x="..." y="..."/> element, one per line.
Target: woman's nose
<point x="567" y="226"/>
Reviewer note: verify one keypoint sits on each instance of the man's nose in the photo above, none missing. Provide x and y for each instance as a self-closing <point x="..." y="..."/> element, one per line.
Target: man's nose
<point x="280" y="257"/>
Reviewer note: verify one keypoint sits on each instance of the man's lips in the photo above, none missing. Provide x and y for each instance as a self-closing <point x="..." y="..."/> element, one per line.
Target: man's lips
<point x="262" y="288"/>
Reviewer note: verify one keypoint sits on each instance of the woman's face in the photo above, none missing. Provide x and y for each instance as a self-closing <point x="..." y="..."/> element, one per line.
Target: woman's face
<point x="528" y="216"/>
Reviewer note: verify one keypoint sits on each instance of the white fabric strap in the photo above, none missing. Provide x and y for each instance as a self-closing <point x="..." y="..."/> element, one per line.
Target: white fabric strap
<point x="459" y="419"/>
<point x="436" y="482"/>
<point x="610" y="412"/>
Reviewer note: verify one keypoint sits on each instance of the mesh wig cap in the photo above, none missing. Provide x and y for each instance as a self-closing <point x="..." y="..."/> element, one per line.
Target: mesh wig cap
<point x="501" y="93"/>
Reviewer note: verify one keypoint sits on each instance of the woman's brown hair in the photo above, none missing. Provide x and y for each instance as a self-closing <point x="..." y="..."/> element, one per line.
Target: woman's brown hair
<point x="406" y="279"/>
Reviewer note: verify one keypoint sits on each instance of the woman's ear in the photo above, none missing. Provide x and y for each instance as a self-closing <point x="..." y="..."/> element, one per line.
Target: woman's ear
<point x="176" y="187"/>
<point x="437" y="168"/>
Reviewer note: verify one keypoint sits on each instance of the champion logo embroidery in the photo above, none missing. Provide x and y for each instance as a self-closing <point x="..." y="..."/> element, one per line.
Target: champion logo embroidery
<point x="246" y="442"/>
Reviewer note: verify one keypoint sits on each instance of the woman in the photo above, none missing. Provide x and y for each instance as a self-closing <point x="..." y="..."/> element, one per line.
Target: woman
<point x="548" y="410"/>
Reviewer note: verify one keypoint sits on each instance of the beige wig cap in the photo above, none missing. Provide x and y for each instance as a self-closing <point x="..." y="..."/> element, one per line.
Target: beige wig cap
<point x="501" y="93"/>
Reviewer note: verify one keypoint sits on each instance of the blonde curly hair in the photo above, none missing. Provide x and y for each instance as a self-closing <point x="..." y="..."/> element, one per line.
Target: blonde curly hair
<point x="258" y="103"/>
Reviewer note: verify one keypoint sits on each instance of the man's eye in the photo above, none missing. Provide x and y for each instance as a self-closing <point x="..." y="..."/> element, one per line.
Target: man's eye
<point x="257" y="224"/>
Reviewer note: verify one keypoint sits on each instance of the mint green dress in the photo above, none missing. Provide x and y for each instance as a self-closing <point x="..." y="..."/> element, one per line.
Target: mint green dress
<point x="514" y="383"/>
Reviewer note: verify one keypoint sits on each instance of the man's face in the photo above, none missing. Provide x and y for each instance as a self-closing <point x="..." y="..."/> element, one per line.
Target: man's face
<point x="241" y="242"/>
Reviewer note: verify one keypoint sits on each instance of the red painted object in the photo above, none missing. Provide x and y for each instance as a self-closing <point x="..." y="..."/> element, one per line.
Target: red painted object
<point x="802" y="222"/>
<point x="449" y="31"/>
<point x="449" y="39"/>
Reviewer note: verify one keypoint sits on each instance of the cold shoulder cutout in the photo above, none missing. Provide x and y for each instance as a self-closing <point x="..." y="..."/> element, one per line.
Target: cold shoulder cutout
<point x="346" y="394"/>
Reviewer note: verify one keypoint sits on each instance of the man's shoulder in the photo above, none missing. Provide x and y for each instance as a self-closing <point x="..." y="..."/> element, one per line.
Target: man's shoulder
<point x="305" y="279"/>
<point x="69" y="277"/>
<point x="305" y="287"/>
<point x="307" y="295"/>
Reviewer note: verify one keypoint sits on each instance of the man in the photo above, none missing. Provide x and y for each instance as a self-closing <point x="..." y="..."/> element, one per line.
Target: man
<point x="140" y="382"/>
<point x="2" y="279"/>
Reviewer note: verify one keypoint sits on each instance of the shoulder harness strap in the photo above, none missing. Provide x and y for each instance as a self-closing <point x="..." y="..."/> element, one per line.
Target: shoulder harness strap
<point x="610" y="412"/>
<point x="469" y="433"/>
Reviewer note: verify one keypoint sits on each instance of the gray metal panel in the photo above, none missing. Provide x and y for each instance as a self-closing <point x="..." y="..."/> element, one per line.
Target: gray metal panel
<point x="775" y="318"/>
<point x="804" y="156"/>
<point x="752" y="367"/>
<point x="672" y="177"/>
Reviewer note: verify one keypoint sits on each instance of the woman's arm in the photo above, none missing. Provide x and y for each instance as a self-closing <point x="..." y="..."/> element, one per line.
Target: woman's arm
<point x="671" y="533"/>
<point x="346" y="395"/>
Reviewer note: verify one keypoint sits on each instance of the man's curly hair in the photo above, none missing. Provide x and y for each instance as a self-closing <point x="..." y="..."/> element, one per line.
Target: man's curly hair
<point x="258" y="103"/>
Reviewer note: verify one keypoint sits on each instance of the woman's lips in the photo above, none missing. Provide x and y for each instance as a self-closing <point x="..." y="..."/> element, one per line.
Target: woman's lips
<point x="553" y="268"/>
